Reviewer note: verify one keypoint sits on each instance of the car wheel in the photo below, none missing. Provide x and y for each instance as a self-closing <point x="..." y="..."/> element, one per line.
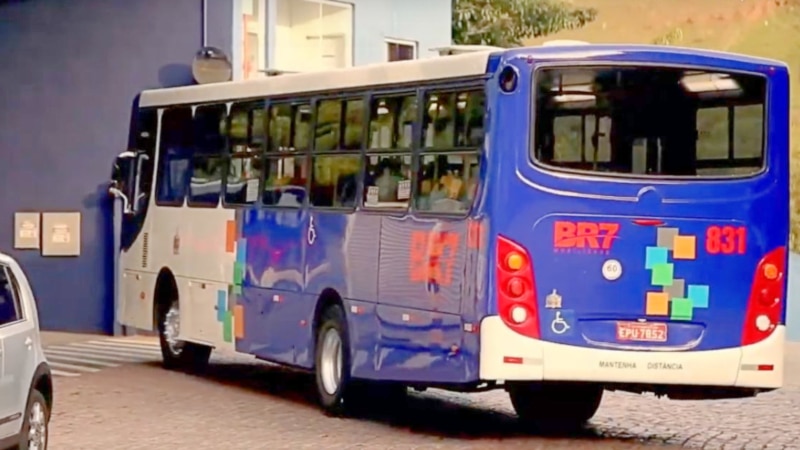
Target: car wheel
<point x="333" y="362"/>
<point x="36" y="426"/>
<point x="177" y="354"/>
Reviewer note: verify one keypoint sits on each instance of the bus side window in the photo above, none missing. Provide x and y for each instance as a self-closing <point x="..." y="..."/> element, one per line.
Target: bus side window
<point x="452" y="137"/>
<point x="247" y="145"/>
<point x="174" y="153"/>
<point x="388" y="175"/>
<point x="336" y="157"/>
<point x="286" y="161"/>
<point x="207" y="160"/>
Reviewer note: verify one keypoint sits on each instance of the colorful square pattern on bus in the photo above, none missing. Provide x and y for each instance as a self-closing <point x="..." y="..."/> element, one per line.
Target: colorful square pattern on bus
<point x="676" y="299"/>
<point x="229" y="313"/>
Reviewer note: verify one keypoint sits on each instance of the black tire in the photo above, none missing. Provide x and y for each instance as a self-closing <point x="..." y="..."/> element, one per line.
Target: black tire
<point x="35" y="400"/>
<point x="555" y="406"/>
<point x="184" y="356"/>
<point x="341" y="400"/>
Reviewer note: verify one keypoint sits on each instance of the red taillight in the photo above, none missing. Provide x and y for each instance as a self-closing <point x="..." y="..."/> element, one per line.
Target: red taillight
<point x="516" y="288"/>
<point x="765" y="304"/>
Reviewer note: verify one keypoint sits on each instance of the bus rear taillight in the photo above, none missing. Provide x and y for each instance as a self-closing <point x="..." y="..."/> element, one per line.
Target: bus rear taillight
<point x="516" y="288"/>
<point x="765" y="304"/>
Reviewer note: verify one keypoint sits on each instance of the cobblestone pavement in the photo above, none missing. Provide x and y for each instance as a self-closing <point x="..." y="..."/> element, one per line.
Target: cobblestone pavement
<point x="248" y="405"/>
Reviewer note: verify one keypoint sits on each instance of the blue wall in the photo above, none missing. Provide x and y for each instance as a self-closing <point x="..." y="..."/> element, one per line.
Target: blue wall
<point x="70" y="70"/>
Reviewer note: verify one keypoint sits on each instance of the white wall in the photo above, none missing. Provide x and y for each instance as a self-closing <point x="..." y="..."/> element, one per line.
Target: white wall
<point x="426" y="22"/>
<point x="310" y="35"/>
<point x="372" y="22"/>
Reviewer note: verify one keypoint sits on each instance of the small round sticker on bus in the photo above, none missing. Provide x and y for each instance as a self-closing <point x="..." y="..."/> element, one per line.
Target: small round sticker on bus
<point x="612" y="269"/>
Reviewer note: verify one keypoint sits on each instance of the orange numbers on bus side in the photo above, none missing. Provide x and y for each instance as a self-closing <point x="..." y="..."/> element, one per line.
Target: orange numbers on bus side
<point x="726" y="240"/>
<point x="432" y="257"/>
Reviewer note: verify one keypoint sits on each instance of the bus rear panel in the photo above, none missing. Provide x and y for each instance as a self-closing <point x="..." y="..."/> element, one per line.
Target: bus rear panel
<point x="647" y="243"/>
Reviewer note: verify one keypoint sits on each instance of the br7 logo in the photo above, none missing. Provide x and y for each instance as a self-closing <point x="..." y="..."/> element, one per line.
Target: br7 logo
<point x="592" y="235"/>
<point x="432" y="256"/>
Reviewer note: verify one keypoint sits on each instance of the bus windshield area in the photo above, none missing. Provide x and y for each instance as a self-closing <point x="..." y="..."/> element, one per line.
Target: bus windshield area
<point x="649" y="121"/>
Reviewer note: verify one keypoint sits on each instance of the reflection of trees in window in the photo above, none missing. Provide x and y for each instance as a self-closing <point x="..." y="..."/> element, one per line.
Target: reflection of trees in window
<point x="247" y="139"/>
<point x="332" y="117"/>
<point x="453" y="132"/>
<point x="289" y="127"/>
<point x="391" y="123"/>
<point x="175" y="151"/>
<point x="453" y="119"/>
<point x="208" y="157"/>
<point x="336" y="161"/>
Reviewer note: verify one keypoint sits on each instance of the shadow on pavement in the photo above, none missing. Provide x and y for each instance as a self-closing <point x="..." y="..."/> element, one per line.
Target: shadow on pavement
<point x="434" y="413"/>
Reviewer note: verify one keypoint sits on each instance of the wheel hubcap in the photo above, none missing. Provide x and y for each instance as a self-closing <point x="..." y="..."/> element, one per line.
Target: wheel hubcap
<point x="37" y="433"/>
<point x="172" y="329"/>
<point x="331" y="361"/>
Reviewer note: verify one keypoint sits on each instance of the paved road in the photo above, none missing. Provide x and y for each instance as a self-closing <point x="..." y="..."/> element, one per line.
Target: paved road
<point x="248" y="405"/>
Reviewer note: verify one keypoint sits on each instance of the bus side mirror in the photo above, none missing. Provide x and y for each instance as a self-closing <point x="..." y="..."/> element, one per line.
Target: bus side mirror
<point x="123" y="180"/>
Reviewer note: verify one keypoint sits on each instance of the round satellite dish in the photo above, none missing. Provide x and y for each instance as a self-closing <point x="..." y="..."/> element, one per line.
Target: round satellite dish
<point x="211" y="65"/>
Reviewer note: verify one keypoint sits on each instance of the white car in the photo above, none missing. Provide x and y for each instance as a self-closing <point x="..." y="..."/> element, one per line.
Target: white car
<point x="26" y="385"/>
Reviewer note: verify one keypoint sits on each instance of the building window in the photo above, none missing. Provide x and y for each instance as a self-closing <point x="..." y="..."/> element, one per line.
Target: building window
<point x="400" y="50"/>
<point x="313" y="35"/>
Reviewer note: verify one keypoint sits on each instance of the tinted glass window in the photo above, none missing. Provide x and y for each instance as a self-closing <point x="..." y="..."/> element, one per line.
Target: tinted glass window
<point x="10" y="310"/>
<point x="175" y="151"/>
<point x="649" y="121"/>
<point x="335" y="180"/>
<point x="453" y="119"/>
<point x="207" y="162"/>
<point x="247" y="141"/>
<point x="340" y="125"/>
<point x="391" y="123"/>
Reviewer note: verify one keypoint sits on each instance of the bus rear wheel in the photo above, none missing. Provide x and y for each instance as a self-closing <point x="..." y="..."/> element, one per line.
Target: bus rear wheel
<point x="335" y="391"/>
<point x="177" y="354"/>
<point x="555" y="405"/>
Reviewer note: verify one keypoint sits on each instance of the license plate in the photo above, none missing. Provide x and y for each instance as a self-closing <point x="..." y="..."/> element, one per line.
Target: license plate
<point x="641" y="332"/>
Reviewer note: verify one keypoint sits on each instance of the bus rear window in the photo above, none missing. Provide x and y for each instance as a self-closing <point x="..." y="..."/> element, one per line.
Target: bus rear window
<point x="649" y="121"/>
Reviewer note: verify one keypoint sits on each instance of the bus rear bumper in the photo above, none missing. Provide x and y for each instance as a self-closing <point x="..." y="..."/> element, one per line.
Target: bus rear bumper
<point x="508" y="356"/>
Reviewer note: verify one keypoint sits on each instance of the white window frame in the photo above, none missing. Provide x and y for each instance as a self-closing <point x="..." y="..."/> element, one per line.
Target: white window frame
<point x="413" y="44"/>
<point x="256" y="25"/>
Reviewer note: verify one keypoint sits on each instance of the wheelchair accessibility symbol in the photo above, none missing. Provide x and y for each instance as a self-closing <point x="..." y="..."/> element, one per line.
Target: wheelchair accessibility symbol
<point x="559" y="325"/>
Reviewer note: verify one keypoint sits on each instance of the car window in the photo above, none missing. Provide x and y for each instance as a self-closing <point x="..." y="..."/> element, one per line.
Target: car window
<point x="10" y="310"/>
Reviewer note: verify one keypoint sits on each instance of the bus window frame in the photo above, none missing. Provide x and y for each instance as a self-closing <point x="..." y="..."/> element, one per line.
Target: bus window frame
<point x="222" y="155"/>
<point x="665" y="179"/>
<point x="366" y="94"/>
<point x="229" y="154"/>
<point x="267" y="154"/>
<point x="367" y="151"/>
<point x="469" y="85"/>
<point x="158" y="166"/>
<point x="357" y="94"/>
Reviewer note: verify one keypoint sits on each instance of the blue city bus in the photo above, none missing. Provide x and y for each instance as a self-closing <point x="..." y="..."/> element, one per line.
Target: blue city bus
<point x="554" y="221"/>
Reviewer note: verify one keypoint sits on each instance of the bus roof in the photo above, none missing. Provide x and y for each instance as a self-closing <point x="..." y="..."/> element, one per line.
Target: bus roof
<point x="390" y="73"/>
<point x="473" y="63"/>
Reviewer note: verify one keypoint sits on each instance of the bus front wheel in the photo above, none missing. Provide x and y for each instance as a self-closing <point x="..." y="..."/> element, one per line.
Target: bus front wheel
<point x="555" y="405"/>
<point x="177" y="354"/>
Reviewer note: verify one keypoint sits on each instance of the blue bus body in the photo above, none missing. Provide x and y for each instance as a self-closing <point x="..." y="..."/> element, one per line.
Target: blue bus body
<point x="571" y="224"/>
